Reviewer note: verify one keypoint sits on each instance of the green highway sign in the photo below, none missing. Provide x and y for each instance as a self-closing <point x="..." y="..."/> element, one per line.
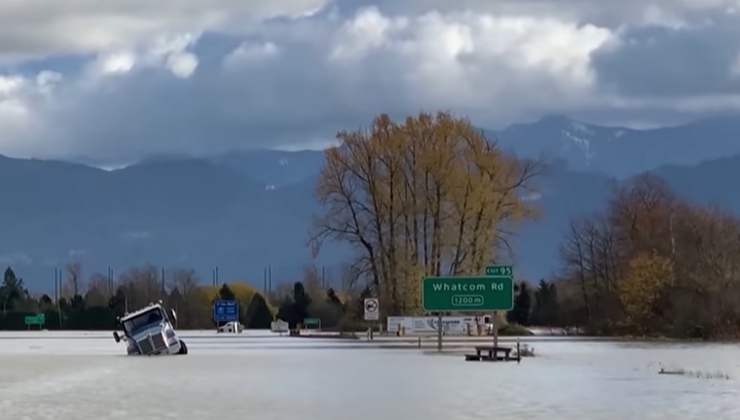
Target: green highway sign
<point x="467" y="293"/>
<point x="37" y="319"/>
<point x="499" y="271"/>
<point x="311" y="321"/>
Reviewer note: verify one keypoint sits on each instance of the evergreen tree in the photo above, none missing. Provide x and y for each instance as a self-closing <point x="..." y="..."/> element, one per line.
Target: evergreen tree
<point x="301" y="301"/>
<point x="12" y="291"/>
<point x="225" y="293"/>
<point x="258" y="316"/>
<point x="117" y="302"/>
<point x="331" y="297"/>
<point x="286" y="312"/>
<point x="519" y="314"/>
<point x="546" y="312"/>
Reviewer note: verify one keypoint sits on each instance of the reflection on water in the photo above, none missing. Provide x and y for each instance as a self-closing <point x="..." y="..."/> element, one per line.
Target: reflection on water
<point x="243" y="378"/>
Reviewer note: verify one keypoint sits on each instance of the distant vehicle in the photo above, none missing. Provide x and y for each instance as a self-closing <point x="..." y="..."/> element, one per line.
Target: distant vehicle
<point x="231" y="327"/>
<point x="279" y="326"/>
<point x="149" y="332"/>
<point x="487" y="323"/>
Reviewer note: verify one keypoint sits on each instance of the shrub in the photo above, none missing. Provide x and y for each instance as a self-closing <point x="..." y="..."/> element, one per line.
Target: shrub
<point x="514" y="330"/>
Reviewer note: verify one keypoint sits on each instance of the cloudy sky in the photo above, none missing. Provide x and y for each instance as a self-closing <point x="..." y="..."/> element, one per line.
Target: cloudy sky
<point x="118" y="79"/>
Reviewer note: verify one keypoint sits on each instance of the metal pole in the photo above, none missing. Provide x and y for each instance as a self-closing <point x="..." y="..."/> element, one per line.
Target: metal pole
<point x="439" y="331"/>
<point x="673" y="249"/>
<point x="217" y="281"/>
<point x="56" y="286"/>
<point x="269" y="277"/>
<point x="494" y="325"/>
<point x="163" y="289"/>
<point x="58" y="282"/>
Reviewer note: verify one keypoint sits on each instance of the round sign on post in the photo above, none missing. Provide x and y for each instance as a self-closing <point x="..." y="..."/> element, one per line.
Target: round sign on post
<point x="371" y="309"/>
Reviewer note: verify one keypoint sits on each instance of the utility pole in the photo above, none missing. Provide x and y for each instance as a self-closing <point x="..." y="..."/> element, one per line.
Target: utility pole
<point x="269" y="279"/>
<point x="214" y="276"/>
<point x="58" y="287"/>
<point x="673" y="248"/>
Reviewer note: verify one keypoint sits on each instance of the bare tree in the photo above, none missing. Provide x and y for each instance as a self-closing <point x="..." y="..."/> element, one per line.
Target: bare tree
<point x="185" y="280"/>
<point x="74" y="278"/>
<point x="280" y="291"/>
<point x="141" y="285"/>
<point x="98" y="290"/>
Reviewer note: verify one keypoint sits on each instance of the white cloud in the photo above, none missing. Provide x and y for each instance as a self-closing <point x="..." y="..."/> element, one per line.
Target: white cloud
<point x="198" y="76"/>
<point x="48" y="26"/>
<point x="15" y="259"/>
<point x="138" y="235"/>
<point x="248" y="52"/>
<point x="77" y="252"/>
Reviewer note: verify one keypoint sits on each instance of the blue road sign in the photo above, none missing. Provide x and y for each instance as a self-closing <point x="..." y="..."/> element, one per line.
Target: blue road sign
<point x="225" y="310"/>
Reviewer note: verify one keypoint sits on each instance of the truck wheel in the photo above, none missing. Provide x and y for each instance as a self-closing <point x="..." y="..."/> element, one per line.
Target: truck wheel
<point x="183" y="348"/>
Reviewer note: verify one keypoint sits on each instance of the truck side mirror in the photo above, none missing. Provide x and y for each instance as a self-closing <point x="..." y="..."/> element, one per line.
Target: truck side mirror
<point x="173" y="315"/>
<point x="116" y="337"/>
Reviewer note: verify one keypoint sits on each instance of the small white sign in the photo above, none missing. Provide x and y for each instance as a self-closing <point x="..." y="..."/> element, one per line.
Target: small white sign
<point x="371" y="309"/>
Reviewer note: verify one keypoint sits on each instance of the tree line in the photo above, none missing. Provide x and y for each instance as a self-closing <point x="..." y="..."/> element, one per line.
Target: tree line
<point x="431" y="195"/>
<point x="96" y="302"/>
<point x="653" y="263"/>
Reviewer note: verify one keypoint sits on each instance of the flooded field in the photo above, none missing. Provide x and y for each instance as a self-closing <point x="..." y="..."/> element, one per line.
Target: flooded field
<point x="79" y="376"/>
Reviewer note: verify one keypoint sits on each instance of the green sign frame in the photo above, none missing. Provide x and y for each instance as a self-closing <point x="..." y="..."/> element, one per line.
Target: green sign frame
<point x="38" y="319"/>
<point x="467" y="294"/>
<point x="499" y="271"/>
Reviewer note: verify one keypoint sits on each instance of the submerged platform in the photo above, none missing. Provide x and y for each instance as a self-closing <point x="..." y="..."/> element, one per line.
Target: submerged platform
<point x="494" y="354"/>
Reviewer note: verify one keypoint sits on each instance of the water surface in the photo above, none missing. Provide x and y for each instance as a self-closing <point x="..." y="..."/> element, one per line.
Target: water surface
<point x="260" y="376"/>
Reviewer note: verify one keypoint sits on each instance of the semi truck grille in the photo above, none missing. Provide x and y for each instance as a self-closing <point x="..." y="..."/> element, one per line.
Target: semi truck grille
<point x="159" y="343"/>
<point x="146" y="346"/>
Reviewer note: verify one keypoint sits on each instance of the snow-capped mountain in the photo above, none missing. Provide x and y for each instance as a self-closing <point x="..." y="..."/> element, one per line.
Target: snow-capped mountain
<point x="620" y="151"/>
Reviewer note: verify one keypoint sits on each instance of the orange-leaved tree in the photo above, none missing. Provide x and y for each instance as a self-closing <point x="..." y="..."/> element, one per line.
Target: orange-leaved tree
<point x="430" y="195"/>
<point x="642" y="288"/>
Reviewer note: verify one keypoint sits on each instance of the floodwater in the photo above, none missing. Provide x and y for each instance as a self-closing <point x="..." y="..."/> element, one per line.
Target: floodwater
<point x="78" y="376"/>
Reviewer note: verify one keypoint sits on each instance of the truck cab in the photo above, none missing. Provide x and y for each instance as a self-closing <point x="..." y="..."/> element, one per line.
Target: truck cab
<point x="149" y="331"/>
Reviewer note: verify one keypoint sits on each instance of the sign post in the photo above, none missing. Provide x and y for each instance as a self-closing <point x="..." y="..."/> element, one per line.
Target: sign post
<point x="371" y="313"/>
<point x="225" y="311"/>
<point x="37" y="319"/>
<point x="466" y="294"/>
<point x="439" y="331"/>
<point x="312" y="322"/>
<point x="500" y="272"/>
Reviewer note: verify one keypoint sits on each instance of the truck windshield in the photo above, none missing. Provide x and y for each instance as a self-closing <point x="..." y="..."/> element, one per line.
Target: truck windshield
<point x="143" y="321"/>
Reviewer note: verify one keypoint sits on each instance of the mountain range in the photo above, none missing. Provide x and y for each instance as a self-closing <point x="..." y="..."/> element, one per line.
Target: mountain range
<point x="243" y="211"/>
